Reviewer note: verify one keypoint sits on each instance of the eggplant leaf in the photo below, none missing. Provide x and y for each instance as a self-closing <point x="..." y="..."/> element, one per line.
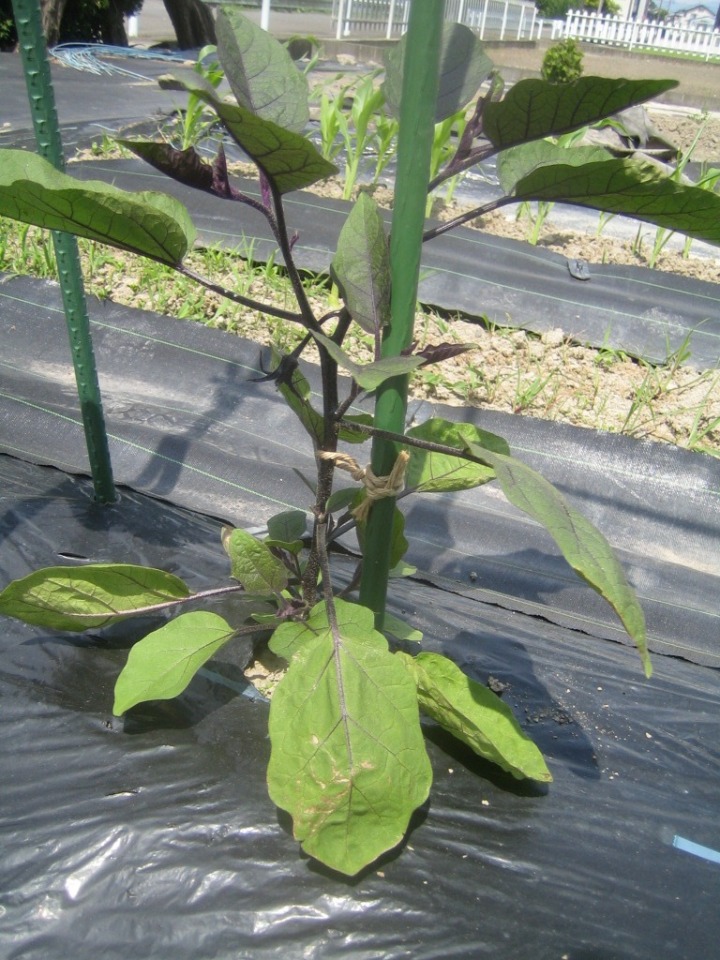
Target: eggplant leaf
<point x="431" y="472"/>
<point x="152" y="224"/>
<point x="534" y="109"/>
<point x="95" y="595"/>
<point x="261" y="72"/>
<point x="252" y="563"/>
<point x="515" y="164"/>
<point x="287" y="159"/>
<point x="463" y="67"/>
<point x="164" y="662"/>
<point x="630" y="187"/>
<point x="583" y="546"/>
<point x="361" y="266"/>
<point x="475" y="715"/>
<point x="348" y="761"/>
<point x="369" y="375"/>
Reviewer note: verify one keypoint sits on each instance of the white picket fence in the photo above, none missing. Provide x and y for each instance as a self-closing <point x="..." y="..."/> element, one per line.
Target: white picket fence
<point x="490" y="19"/>
<point x="638" y="35"/>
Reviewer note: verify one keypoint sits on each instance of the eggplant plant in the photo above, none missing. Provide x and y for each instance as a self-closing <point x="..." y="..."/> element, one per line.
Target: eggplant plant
<point x="348" y="759"/>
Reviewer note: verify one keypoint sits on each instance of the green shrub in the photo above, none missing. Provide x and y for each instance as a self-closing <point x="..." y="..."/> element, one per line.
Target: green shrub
<point x="8" y="34"/>
<point x="562" y="63"/>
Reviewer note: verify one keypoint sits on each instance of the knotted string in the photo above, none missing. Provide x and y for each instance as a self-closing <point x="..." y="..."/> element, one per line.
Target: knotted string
<point x="376" y="488"/>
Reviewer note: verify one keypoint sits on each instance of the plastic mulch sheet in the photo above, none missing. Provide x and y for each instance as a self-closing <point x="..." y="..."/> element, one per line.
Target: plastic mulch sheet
<point x="154" y="835"/>
<point x="189" y="424"/>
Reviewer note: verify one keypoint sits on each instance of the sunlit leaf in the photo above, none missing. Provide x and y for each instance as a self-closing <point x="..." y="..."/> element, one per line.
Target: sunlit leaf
<point x="152" y="224"/>
<point x="583" y="546"/>
<point x="162" y="664"/>
<point x="515" y="164"/>
<point x="533" y="109"/>
<point x="77" y="598"/>
<point x="401" y="630"/>
<point x="369" y="375"/>
<point x="361" y="266"/>
<point x="252" y="562"/>
<point x="463" y="67"/>
<point x="348" y="760"/>
<point x="475" y="715"/>
<point x="288" y="160"/>
<point x="431" y="472"/>
<point x="626" y="186"/>
<point x="261" y="72"/>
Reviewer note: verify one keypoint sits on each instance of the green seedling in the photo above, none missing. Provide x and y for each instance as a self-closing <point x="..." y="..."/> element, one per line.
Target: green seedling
<point x="196" y="122"/>
<point x="663" y="234"/>
<point x="348" y="760"/>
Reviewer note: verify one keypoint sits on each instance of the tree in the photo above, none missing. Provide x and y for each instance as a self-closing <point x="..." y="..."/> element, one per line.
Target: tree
<point x="86" y="20"/>
<point x="192" y="22"/>
<point x="104" y="20"/>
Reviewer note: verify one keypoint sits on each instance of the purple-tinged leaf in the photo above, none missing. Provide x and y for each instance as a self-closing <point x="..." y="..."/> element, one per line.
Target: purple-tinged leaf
<point x="185" y="166"/>
<point x="361" y="266"/>
<point x="437" y="352"/>
<point x="289" y="160"/>
<point x="221" y="185"/>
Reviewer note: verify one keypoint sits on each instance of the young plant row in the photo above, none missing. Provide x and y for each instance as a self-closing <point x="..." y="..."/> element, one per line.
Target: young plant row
<point x="348" y="759"/>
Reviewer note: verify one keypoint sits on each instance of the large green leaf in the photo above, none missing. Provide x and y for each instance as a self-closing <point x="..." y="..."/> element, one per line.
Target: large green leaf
<point x="369" y="376"/>
<point x="361" y="266"/>
<point x="261" y="72"/>
<point x="289" y="160"/>
<point x="515" y="164"/>
<point x="583" y="546"/>
<point x="78" y="598"/>
<point x="152" y="224"/>
<point x="475" y="715"/>
<point x="630" y="187"/>
<point x="431" y="472"/>
<point x="463" y="67"/>
<point x="348" y="760"/>
<point x="253" y="564"/>
<point x="534" y="109"/>
<point x="164" y="662"/>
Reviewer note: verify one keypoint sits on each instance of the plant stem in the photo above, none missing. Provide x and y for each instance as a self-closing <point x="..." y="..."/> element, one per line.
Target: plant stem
<point x="417" y="127"/>
<point x="228" y="294"/>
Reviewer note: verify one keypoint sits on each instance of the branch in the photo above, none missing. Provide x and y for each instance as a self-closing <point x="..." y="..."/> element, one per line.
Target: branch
<point x="265" y="308"/>
<point x="442" y="228"/>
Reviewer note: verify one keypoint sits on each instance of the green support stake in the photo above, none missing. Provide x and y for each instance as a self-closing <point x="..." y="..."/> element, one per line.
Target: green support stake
<point x="417" y="125"/>
<point x="47" y="134"/>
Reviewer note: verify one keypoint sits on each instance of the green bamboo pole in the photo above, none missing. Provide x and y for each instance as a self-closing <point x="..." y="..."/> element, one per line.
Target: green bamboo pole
<point x="47" y="134"/>
<point x="417" y="122"/>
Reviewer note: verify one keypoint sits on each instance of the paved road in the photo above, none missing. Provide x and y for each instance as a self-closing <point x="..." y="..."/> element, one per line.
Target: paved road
<point x="154" y="24"/>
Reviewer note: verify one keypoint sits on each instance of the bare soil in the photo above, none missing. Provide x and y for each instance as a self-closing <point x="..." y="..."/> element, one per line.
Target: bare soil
<point x="550" y="376"/>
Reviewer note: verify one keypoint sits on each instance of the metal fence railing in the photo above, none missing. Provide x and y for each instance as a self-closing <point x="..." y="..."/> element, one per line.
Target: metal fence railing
<point x="490" y="19"/>
<point x="639" y="35"/>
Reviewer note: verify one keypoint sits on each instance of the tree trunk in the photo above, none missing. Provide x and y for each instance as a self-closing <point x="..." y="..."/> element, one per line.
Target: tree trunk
<point x="51" y="14"/>
<point x="112" y="25"/>
<point x="192" y="22"/>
